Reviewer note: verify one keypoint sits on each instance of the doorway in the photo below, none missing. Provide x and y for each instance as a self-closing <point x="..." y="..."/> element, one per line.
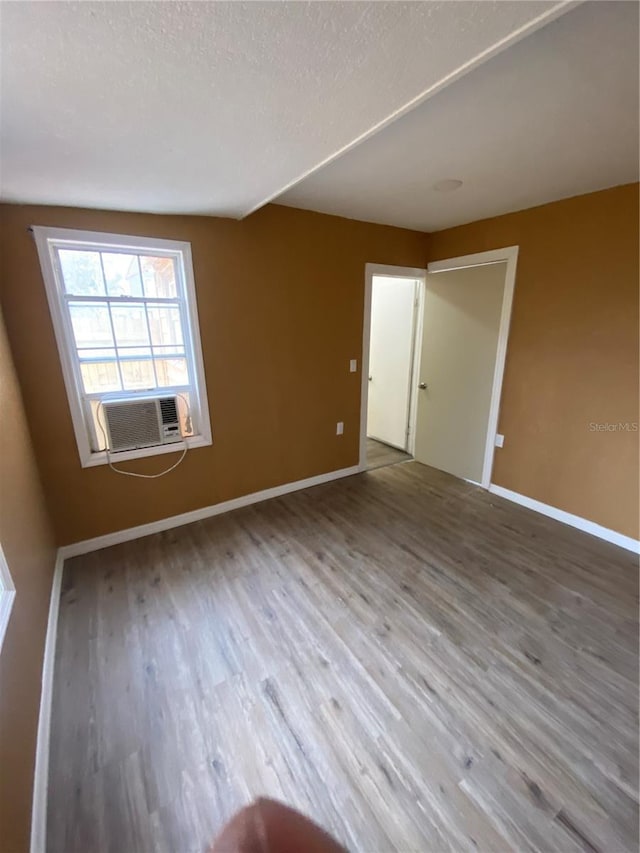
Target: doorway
<point x="394" y="296"/>
<point x="459" y="336"/>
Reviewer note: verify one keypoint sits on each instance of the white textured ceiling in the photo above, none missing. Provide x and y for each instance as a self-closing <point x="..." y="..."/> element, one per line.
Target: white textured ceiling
<point x="216" y="107"/>
<point x="554" y="116"/>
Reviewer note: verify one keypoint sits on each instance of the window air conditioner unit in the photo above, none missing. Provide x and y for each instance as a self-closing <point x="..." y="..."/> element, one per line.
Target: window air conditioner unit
<point x="133" y="424"/>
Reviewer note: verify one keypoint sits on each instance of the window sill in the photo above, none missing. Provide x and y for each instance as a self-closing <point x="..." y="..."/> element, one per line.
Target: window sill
<point x="100" y="458"/>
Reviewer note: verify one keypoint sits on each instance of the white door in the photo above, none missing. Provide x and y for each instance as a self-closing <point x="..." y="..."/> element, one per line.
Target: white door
<point x="391" y="358"/>
<point x="461" y="325"/>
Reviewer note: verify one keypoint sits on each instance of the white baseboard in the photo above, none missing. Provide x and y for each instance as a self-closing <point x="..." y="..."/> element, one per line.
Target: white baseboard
<point x="41" y="774"/>
<point x="129" y="533"/>
<point x="567" y="518"/>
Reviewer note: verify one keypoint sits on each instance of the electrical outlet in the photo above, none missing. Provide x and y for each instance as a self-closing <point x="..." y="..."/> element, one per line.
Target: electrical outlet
<point x="339" y="428"/>
<point x="499" y="440"/>
<point x="353" y="365"/>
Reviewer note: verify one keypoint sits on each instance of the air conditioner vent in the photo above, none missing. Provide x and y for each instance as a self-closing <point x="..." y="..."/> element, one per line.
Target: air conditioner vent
<point x="169" y="410"/>
<point x="134" y="424"/>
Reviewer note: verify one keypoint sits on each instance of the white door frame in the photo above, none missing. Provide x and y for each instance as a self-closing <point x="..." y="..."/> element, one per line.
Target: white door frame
<point x="372" y="270"/>
<point x="494" y="256"/>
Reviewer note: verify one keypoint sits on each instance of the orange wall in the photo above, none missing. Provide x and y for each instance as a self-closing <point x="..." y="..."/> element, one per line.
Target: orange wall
<point x="572" y="357"/>
<point x="27" y="542"/>
<point x="280" y="301"/>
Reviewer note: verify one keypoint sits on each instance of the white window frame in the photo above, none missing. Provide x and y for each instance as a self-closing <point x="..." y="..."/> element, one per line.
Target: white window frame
<point x="47" y="241"/>
<point x="7" y="595"/>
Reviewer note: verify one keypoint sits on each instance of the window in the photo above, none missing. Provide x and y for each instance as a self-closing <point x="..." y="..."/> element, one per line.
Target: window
<point x="7" y="595"/>
<point x="125" y="320"/>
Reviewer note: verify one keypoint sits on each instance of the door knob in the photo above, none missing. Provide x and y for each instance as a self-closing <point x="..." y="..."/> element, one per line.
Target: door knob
<point x="370" y="378"/>
<point x="422" y="385"/>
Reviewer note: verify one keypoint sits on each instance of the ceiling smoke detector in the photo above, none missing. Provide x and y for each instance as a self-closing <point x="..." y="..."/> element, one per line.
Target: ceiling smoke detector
<point x="448" y="185"/>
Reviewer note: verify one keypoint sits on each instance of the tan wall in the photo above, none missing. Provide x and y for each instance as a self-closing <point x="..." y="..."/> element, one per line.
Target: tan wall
<point x="572" y="358"/>
<point x="280" y="300"/>
<point x="27" y="542"/>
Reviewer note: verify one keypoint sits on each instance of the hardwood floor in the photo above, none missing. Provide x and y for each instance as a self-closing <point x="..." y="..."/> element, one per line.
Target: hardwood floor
<point x="411" y="661"/>
<point x="380" y="454"/>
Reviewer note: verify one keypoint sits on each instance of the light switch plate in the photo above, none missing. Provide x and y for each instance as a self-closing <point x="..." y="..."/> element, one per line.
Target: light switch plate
<point x="499" y="440"/>
<point x="339" y="428"/>
<point x="353" y="365"/>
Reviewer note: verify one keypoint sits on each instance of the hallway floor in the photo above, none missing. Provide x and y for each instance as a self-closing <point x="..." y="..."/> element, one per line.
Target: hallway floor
<point x="380" y="454"/>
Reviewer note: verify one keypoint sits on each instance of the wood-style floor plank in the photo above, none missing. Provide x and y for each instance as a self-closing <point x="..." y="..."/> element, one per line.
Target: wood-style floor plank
<point x="380" y="454"/>
<point x="413" y="662"/>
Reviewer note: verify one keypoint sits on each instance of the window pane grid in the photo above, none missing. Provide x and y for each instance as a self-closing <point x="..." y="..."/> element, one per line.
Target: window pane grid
<point x="118" y="272"/>
<point x="146" y="317"/>
<point x="115" y="248"/>
<point x="147" y="349"/>
<point x="85" y="376"/>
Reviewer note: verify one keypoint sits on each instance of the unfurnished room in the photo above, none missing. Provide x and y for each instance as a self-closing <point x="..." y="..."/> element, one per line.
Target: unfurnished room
<point x="319" y="380"/>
